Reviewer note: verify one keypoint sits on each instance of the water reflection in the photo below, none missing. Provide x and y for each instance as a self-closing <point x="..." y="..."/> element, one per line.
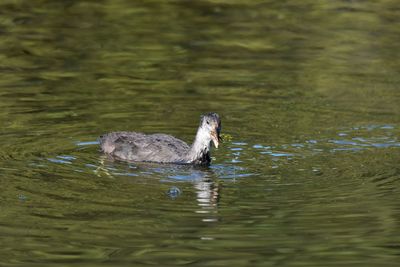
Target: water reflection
<point x="204" y="181"/>
<point x="208" y="193"/>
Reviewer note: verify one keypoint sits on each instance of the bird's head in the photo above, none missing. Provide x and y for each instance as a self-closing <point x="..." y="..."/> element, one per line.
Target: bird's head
<point x="211" y="124"/>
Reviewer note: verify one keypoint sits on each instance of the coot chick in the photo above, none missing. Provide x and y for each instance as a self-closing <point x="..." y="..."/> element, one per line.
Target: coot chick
<point x="163" y="148"/>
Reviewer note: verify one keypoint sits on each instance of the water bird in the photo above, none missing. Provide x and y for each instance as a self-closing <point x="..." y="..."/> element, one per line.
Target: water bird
<point x="163" y="148"/>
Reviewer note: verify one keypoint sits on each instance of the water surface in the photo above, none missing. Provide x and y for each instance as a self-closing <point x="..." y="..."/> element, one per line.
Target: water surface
<point x="308" y="93"/>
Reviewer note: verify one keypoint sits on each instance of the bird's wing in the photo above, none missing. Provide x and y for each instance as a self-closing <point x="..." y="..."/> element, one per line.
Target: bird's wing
<point x="140" y="147"/>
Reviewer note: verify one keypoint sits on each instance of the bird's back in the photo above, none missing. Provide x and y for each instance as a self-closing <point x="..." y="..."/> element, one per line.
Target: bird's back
<point x="135" y="146"/>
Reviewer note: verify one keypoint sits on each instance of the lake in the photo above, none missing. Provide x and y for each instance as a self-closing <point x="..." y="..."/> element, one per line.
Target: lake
<point x="308" y="93"/>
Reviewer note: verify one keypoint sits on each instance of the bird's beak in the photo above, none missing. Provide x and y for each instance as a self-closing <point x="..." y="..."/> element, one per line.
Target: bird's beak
<point x="215" y="138"/>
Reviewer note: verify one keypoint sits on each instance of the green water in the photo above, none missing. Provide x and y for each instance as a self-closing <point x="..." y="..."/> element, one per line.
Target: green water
<point x="308" y="91"/>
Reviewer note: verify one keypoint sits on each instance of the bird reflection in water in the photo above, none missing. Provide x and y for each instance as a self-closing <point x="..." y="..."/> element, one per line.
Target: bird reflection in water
<point x="207" y="196"/>
<point x="205" y="182"/>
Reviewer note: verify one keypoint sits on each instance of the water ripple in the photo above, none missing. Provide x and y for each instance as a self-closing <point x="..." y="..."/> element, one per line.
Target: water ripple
<point x="353" y="140"/>
<point x="238" y="154"/>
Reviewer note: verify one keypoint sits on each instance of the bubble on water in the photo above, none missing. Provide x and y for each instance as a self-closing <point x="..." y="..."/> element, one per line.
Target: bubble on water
<point x="22" y="197"/>
<point x="174" y="192"/>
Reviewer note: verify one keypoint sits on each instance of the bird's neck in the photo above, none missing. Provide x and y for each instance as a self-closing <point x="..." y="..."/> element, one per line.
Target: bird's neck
<point x="199" y="152"/>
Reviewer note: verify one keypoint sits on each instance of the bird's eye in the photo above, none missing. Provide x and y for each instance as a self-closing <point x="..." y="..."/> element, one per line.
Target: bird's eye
<point x="207" y="122"/>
